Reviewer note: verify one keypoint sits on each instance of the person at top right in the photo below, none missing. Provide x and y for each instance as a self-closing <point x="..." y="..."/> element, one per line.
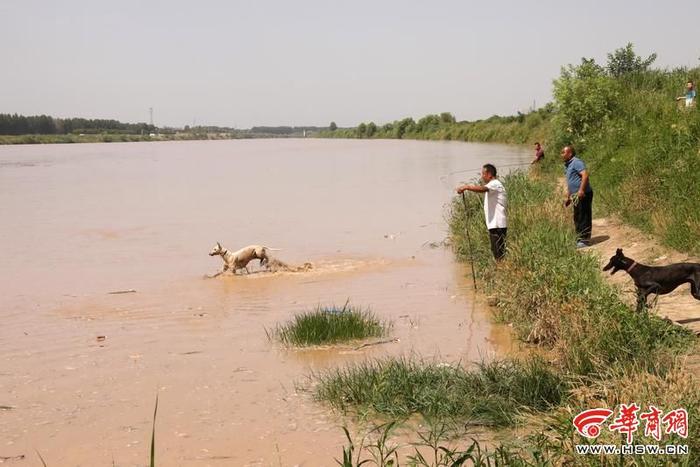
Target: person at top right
<point x="690" y="94"/>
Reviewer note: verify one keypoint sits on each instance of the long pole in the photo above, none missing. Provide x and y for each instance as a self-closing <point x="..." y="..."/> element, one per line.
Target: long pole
<point x="469" y="240"/>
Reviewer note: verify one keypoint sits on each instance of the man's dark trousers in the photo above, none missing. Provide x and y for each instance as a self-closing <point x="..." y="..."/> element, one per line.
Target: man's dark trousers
<point x="498" y="242"/>
<point x="583" y="217"/>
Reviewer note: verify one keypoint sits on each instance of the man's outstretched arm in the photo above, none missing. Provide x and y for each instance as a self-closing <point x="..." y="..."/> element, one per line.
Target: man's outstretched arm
<point x="474" y="188"/>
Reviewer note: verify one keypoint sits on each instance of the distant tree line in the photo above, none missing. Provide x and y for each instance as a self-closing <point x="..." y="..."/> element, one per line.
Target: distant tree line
<point x="205" y="129"/>
<point x="585" y="96"/>
<point x="284" y="130"/>
<point x="406" y="128"/>
<point x="14" y="124"/>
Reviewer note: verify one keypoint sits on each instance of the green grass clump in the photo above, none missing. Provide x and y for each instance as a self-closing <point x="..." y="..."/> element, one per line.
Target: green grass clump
<point x="492" y="394"/>
<point x="329" y="325"/>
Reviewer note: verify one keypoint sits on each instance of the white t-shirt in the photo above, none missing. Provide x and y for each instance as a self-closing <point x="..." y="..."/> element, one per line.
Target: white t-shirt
<point x="495" y="202"/>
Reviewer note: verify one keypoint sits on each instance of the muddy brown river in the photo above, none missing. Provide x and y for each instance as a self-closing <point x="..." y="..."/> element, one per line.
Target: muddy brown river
<point x="80" y="367"/>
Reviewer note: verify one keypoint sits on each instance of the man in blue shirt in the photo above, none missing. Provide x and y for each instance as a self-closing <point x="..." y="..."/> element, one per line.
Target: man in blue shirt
<point x="690" y="94"/>
<point x="580" y="193"/>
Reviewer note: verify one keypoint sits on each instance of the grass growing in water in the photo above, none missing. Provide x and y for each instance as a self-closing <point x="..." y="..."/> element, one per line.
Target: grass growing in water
<point x="492" y="394"/>
<point x="438" y="448"/>
<point x="329" y="325"/>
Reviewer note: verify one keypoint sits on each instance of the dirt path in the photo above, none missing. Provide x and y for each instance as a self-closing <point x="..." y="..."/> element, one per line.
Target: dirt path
<point x="678" y="306"/>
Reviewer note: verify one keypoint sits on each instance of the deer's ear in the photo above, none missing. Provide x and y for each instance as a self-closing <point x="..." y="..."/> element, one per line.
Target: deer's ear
<point x="219" y="245"/>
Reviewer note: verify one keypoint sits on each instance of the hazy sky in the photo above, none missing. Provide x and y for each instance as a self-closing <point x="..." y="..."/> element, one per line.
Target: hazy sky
<point x="245" y="63"/>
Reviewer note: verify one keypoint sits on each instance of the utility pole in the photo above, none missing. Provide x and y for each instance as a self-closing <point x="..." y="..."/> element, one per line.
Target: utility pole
<point x="150" y="111"/>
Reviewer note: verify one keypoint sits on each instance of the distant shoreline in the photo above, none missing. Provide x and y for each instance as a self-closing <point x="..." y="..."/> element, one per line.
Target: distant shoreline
<point x="130" y="138"/>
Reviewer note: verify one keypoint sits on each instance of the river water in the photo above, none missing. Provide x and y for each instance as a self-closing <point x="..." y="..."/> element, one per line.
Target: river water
<point x="80" y="367"/>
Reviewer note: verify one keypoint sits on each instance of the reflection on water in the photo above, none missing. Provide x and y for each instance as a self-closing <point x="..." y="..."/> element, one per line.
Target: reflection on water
<point x="80" y="221"/>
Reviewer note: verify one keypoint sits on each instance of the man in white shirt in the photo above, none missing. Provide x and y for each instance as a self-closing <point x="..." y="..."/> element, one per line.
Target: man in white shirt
<point x="495" y="201"/>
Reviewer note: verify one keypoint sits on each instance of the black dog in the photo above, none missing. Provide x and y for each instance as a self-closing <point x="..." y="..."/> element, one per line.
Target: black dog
<point x="659" y="280"/>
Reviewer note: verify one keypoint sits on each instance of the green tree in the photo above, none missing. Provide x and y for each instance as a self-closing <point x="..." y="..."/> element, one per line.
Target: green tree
<point x="332" y="126"/>
<point x="585" y="97"/>
<point x="447" y="117"/>
<point x="404" y="126"/>
<point x="371" y="129"/>
<point x="428" y="123"/>
<point x="624" y="61"/>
